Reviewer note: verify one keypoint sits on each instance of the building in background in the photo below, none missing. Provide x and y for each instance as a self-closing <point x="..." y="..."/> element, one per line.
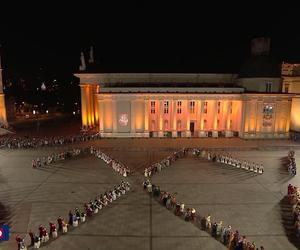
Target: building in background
<point x="3" y="119"/>
<point x="250" y="104"/>
<point x="291" y="84"/>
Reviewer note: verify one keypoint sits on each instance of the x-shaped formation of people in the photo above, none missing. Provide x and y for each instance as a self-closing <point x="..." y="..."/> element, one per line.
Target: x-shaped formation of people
<point x="226" y="235"/>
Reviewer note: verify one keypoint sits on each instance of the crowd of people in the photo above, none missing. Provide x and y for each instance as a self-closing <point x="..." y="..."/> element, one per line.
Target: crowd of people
<point x="229" y="160"/>
<point x="294" y="199"/>
<point x="114" y="164"/>
<point x="12" y="142"/>
<point x="74" y="218"/>
<point x="157" y="167"/>
<point x="291" y="163"/>
<point x="229" y="237"/>
<point x="50" y="159"/>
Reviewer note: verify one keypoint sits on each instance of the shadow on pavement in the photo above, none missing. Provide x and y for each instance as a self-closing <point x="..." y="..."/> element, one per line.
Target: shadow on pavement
<point x="287" y="222"/>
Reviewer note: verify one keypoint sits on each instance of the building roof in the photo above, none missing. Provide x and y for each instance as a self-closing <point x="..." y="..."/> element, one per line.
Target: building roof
<point x="260" y="66"/>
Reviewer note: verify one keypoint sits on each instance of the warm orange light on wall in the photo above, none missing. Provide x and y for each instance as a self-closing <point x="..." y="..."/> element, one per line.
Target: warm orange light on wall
<point x="3" y="119"/>
<point x="295" y="115"/>
<point x="108" y="119"/>
<point x="215" y="124"/>
<point x="228" y="123"/>
<point x="236" y="116"/>
<point x="138" y="121"/>
<point x="252" y="125"/>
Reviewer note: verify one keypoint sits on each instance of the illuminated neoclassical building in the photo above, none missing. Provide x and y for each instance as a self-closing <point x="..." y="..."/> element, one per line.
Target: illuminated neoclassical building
<point x="256" y="103"/>
<point x="182" y="105"/>
<point x="3" y="119"/>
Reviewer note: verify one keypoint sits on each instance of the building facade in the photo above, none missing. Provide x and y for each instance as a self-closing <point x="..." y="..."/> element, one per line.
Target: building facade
<point x="183" y="105"/>
<point x="291" y="84"/>
<point x="3" y="119"/>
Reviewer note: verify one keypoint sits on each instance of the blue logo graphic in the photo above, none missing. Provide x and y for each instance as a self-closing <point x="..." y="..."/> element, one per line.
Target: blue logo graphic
<point x="4" y="232"/>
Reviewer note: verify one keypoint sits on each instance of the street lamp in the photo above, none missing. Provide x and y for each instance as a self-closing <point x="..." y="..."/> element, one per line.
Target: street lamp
<point x="37" y="120"/>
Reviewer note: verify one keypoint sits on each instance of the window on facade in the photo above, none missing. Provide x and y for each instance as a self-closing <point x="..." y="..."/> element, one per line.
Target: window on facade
<point x="286" y="88"/>
<point x="230" y="107"/>
<point x="166" y="107"/>
<point x="268" y="87"/>
<point x="205" y="108"/>
<point x="166" y="124"/>
<point x="219" y="107"/>
<point x="178" y="125"/>
<point x="152" y="110"/>
<point x="192" y="107"/>
<point x="179" y="104"/>
<point x="204" y="124"/>
<point x="230" y="124"/>
<point x="153" y="125"/>
<point x="218" y="124"/>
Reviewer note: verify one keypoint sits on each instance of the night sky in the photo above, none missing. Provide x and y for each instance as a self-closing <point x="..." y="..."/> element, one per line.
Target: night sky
<point x="144" y="38"/>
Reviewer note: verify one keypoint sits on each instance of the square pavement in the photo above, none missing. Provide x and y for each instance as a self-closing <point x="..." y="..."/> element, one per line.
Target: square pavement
<point x="251" y="203"/>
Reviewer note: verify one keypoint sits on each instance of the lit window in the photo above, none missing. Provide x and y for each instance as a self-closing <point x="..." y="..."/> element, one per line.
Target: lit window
<point x="192" y="107"/>
<point x="166" y="107"/>
<point x="179" y="125"/>
<point x="166" y="124"/>
<point x="219" y="107"/>
<point x="268" y="87"/>
<point x="286" y="88"/>
<point x="204" y="124"/>
<point x="152" y="111"/>
<point x="205" y="108"/>
<point x="218" y="123"/>
<point x="230" y="107"/>
<point x="179" y="104"/>
<point x="153" y="125"/>
<point x="230" y="125"/>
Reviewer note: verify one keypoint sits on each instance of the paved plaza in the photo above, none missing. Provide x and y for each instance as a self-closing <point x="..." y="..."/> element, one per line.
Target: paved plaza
<point x="253" y="204"/>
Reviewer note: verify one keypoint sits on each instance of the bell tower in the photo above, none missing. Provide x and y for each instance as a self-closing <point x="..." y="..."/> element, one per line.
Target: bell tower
<point x="3" y="119"/>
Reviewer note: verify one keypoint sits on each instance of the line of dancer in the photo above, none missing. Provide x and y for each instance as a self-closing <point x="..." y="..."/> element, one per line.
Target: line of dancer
<point x="294" y="199"/>
<point x="225" y="234"/>
<point x="116" y="165"/>
<point x="158" y="166"/>
<point x="228" y="160"/>
<point x="12" y="142"/>
<point x="74" y="218"/>
<point x="291" y="163"/>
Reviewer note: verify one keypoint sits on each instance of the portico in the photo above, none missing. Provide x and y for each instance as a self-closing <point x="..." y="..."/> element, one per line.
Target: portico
<point x="137" y="105"/>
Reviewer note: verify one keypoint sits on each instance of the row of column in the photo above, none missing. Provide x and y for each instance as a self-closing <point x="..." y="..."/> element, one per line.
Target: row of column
<point x="89" y="107"/>
<point x="198" y="116"/>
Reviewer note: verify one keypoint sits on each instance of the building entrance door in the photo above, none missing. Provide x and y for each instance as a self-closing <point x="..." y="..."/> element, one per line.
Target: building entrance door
<point x="192" y="128"/>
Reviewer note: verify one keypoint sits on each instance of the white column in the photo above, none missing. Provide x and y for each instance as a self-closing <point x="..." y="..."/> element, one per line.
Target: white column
<point x="146" y="119"/>
<point x="114" y="116"/>
<point x="188" y="132"/>
<point x="84" y="107"/>
<point x="174" y="119"/>
<point x="132" y="116"/>
<point x="160" y="119"/>
<point x="96" y="106"/>
<point x="226" y="118"/>
<point x="215" y="118"/>
<point x="101" y="115"/>
<point x="198" y="114"/>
